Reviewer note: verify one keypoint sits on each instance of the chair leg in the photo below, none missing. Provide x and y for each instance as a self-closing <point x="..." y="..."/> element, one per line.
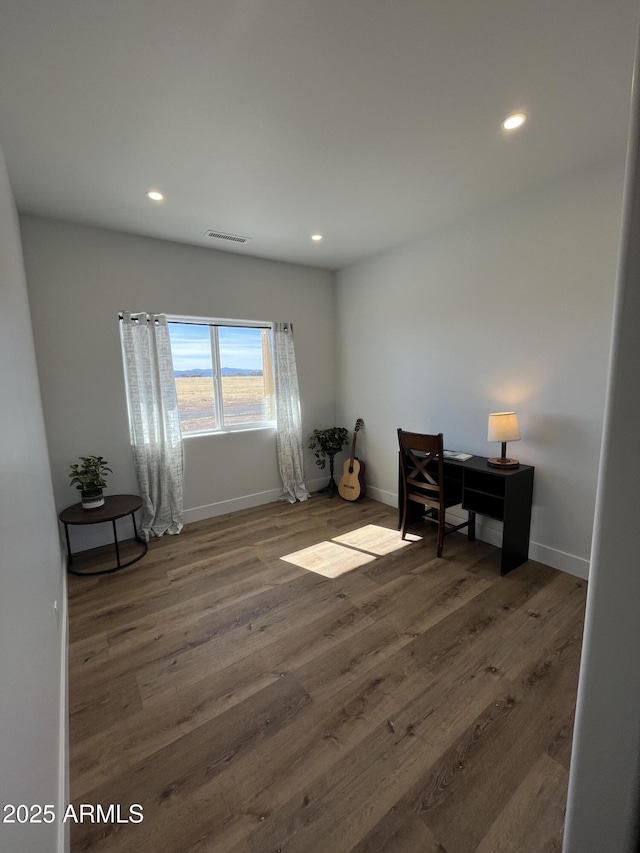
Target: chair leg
<point x="403" y="524"/>
<point x="441" y="520"/>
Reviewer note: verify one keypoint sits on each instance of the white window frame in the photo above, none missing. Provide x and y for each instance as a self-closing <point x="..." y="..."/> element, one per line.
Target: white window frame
<point x="214" y="324"/>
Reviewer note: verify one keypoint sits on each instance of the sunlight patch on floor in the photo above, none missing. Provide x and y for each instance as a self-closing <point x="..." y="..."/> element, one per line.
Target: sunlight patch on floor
<point x="328" y="559"/>
<point x="376" y="540"/>
<point x="350" y="550"/>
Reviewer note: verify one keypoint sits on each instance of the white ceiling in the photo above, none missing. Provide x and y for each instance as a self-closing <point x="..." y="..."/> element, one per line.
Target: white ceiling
<point x="370" y="121"/>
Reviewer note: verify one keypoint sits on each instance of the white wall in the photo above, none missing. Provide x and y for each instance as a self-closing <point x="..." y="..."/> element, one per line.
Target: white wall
<point x="604" y="786"/>
<point x="79" y="278"/>
<point x="506" y="310"/>
<point x="32" y="742"/>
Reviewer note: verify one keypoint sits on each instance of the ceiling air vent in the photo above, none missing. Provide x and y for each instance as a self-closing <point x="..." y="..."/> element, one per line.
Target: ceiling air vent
<point x="218" y="235"/>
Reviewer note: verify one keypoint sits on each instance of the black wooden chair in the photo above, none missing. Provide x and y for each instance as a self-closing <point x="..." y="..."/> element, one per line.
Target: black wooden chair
<point x="423" y="481"/>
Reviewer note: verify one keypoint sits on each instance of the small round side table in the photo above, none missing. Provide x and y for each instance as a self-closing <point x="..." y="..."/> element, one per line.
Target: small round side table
<point x="115" y="506"/>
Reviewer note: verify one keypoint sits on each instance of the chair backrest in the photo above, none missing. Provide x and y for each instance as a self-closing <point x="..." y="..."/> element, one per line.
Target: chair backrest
<point x="422" y="468"/>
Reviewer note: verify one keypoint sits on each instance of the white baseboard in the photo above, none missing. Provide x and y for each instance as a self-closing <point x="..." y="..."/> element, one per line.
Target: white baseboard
<point x="317" y="483"/>
<point x="381" y="495"/>
<point x="487" y="530"/>
<point x="199" y="513"/>
<point x="63" y="843"/>
<point x="569" y="563"/>
<point x="490" y="531"/>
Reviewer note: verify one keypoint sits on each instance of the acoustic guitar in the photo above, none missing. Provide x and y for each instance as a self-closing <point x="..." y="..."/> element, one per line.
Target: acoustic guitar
<point x="351" y="485"/>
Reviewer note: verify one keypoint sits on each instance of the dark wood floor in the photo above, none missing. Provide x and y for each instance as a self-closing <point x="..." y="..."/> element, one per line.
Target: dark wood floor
<point x="253" y="706"/>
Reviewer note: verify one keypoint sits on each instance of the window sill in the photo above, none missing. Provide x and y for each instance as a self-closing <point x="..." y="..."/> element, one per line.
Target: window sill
<point x="231" y="430"/>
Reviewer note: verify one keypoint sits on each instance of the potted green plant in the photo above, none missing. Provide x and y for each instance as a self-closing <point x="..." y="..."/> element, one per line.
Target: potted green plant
<point x="327" y="443"/>
<point x="89" y="479"/>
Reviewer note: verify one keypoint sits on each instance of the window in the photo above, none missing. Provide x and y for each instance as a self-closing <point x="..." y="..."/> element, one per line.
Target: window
<point x="223" y="374"/>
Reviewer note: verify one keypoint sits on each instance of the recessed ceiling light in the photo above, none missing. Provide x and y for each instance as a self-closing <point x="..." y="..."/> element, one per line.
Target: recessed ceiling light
<point x="513" y="121"/>
<point x="316" y="237"/>
<point x="154" y="195"/>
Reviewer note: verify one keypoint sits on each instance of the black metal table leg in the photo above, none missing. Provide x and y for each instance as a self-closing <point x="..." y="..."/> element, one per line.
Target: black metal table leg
<point x="115" y="540"/>
<point x="69" y="554"/>
<point x="135" y="528"/>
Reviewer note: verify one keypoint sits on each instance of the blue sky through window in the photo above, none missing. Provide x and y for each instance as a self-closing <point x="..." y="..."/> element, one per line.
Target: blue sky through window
<point x="191" y="347"/>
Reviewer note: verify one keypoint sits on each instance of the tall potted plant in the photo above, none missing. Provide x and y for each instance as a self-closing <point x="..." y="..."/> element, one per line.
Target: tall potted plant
<point x="89" y="479"/>
<point x="327" y="443"/>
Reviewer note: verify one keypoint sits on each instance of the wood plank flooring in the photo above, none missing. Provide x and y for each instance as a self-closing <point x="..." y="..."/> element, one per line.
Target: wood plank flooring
<point x="249" y="705"/>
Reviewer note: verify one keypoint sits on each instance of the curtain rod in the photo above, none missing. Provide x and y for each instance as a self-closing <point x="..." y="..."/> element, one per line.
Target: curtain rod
<point x="203" y="323"/>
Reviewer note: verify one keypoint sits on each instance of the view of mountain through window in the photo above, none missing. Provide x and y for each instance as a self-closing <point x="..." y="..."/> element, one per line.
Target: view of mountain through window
<point x="223" y="374"/>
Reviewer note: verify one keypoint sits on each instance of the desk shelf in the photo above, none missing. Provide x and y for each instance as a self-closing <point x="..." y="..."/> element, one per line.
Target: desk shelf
<point x="484" y="503"/>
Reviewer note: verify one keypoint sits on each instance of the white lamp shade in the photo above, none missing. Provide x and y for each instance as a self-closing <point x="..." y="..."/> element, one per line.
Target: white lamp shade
<point x="503" y="426"/>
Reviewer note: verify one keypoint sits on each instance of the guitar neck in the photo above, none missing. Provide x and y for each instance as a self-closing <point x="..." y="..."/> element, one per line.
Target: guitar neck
<point x="359" y="424"/>
<point x="353" y="450"/>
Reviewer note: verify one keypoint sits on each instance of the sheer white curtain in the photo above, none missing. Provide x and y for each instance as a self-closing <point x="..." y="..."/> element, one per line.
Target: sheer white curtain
<point x="288" y="419"/>
<point x="154" y="421"/>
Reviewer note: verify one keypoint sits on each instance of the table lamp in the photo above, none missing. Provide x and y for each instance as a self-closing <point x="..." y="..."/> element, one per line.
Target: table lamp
<point x="503" y="427"/>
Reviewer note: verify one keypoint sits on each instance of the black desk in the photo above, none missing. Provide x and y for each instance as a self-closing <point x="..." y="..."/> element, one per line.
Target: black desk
<point x="505" y="495"/>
